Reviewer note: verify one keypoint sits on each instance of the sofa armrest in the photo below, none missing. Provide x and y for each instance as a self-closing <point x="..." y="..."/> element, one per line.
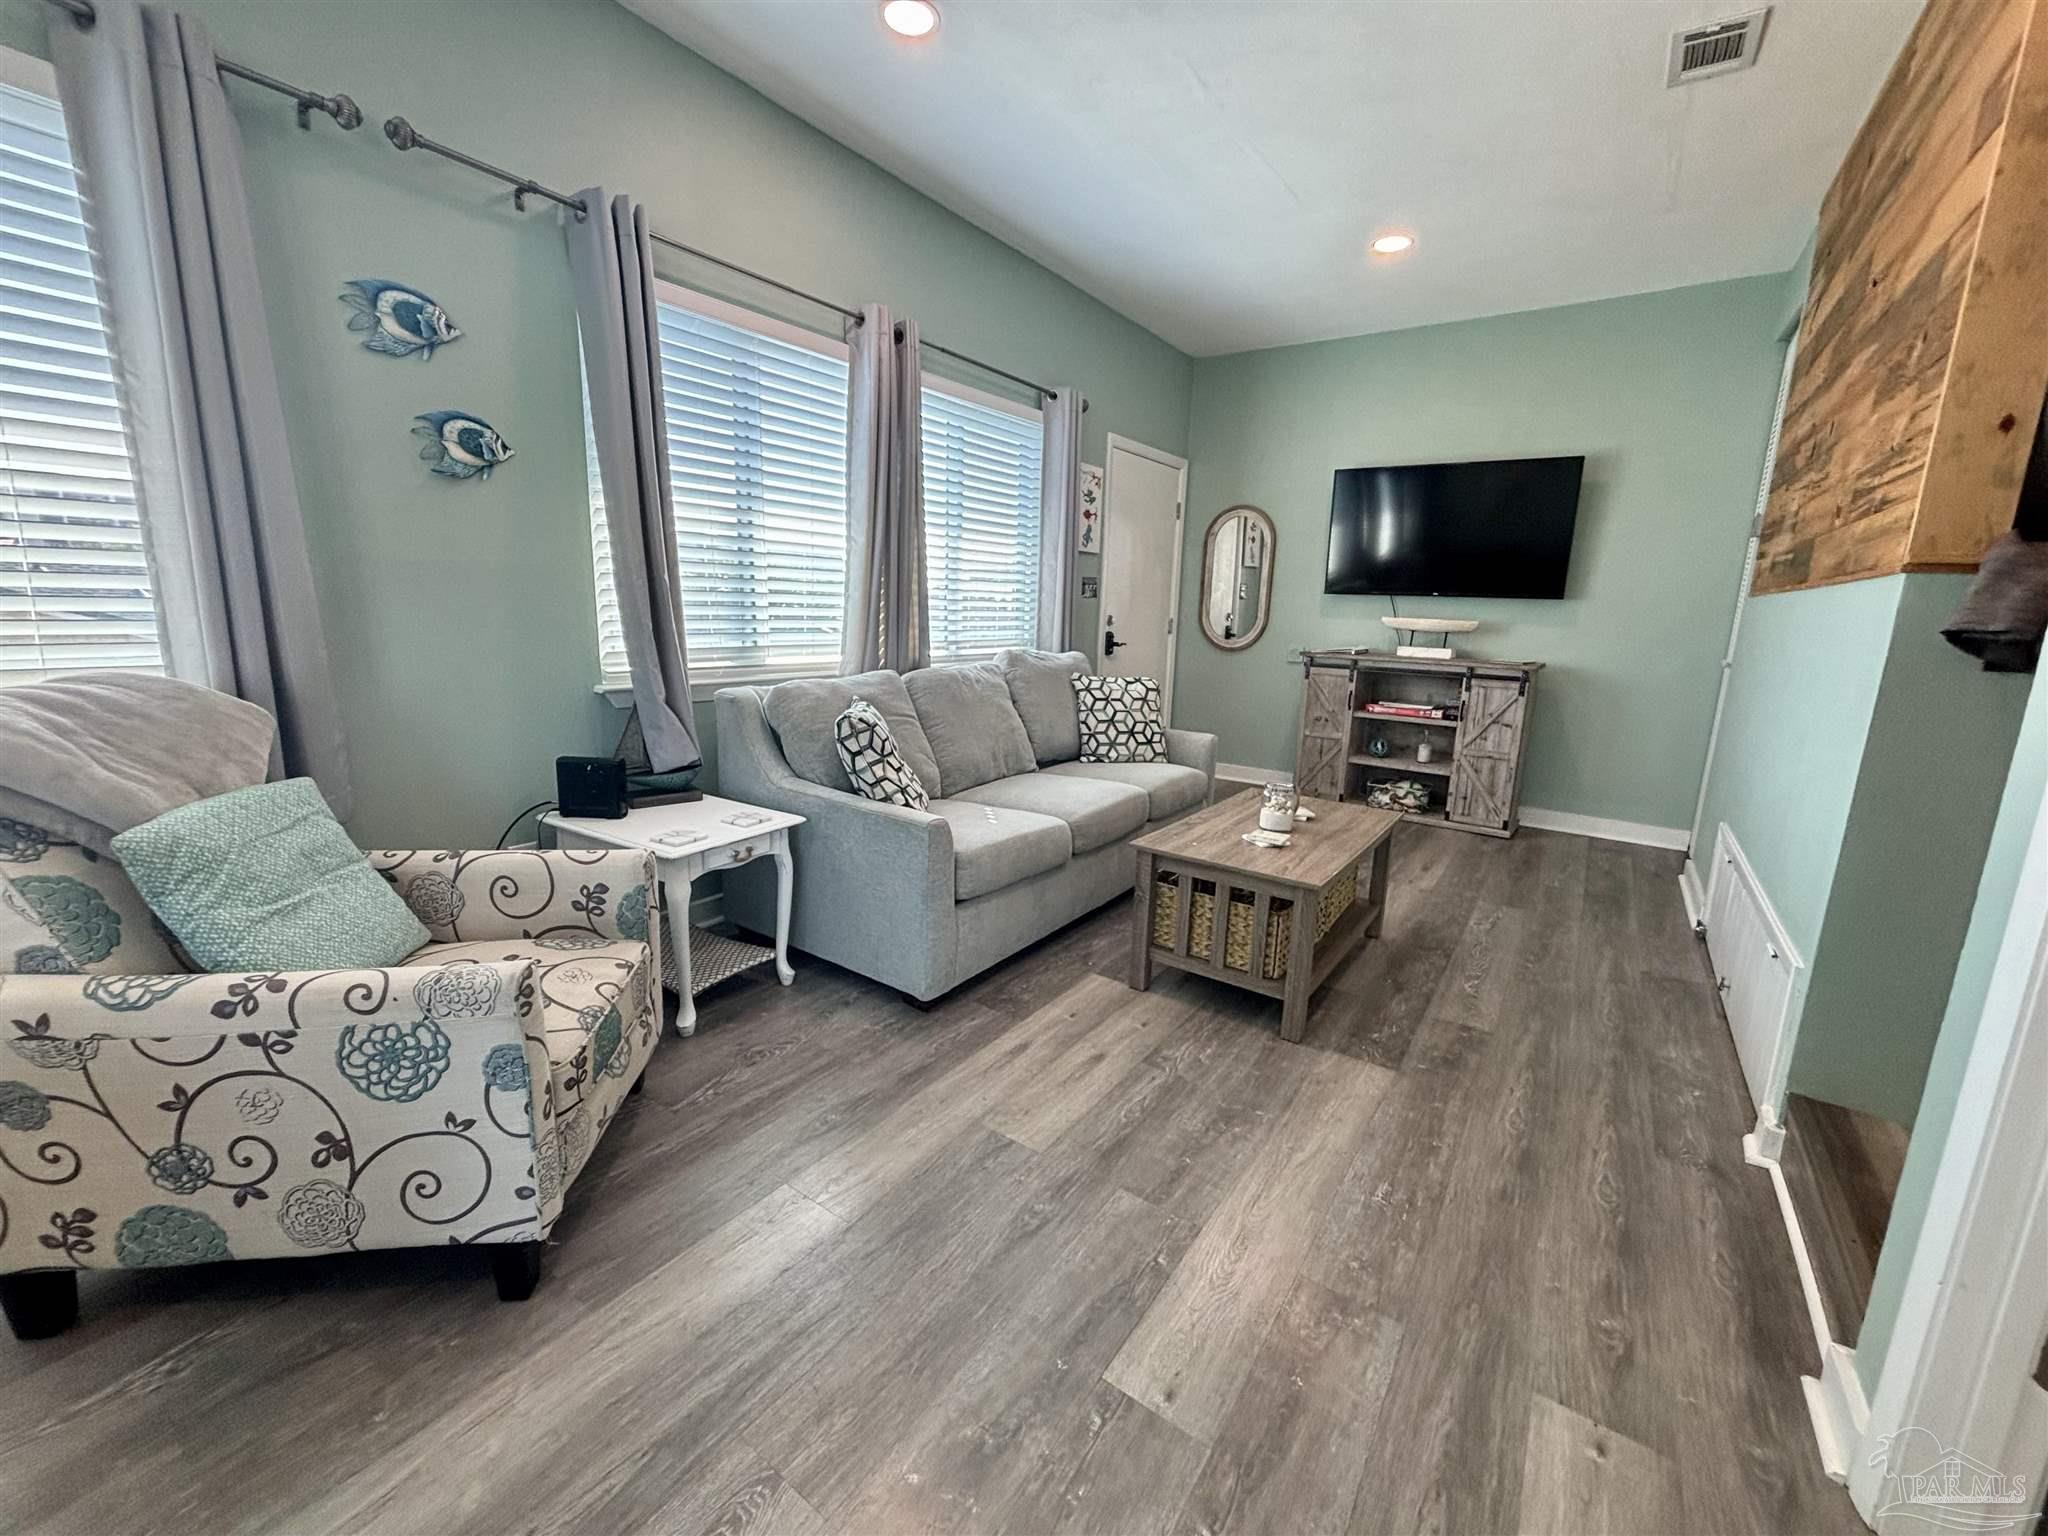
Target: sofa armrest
<point x="175" y="1119"/>
<point x="873" y="881"/>
<point x="515" y="893"/>
<point x="1193" y="749"/>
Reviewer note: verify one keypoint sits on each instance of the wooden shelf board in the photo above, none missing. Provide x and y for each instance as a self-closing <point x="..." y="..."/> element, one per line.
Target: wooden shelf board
<point x="1377" y="714"/>
<point x="1401" y="763"/>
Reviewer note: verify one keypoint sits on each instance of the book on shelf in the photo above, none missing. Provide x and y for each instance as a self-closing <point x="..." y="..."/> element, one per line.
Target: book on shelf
<point x="1410" y="711"/>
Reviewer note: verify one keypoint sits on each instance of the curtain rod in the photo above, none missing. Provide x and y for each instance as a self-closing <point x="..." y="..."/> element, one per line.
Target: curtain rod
<point x="85" y="15"/>
<point x="404" y="136"/>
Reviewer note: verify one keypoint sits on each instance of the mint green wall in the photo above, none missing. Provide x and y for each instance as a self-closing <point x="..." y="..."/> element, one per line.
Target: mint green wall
<point x="2017" y="809"/>
<point x="460" y="615"/>
<point x="1800" y="696"/>
<point x="1859" y="767"/>
<point x="1669" y="397"/>
<point x="1935" y="761"/>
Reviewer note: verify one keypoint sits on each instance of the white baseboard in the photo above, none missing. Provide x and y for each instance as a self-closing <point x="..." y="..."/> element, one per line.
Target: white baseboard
<point x="1837" y="1407"/>
<point x="706" y="911"/>
<point x="1809" y="1285"/>
<point x="1251" y="773"/>
<point x="1694" y="898"/>
<point x="1834" y="1400"/>
<point x="1769" y="1135"/>
<point x="1606" y="828"/>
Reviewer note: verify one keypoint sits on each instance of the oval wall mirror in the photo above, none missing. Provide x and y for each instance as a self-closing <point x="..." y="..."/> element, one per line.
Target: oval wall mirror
<point x="1237" y="577"/>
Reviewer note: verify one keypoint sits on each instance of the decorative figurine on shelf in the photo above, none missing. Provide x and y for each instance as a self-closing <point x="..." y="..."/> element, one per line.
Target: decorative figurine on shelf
<point x="1378" y="746"/>
<point x="1276" y="808"/>
<point x="461" y="446"/>
<point x="399" y="321"/>
<point x="1424" y="752"/>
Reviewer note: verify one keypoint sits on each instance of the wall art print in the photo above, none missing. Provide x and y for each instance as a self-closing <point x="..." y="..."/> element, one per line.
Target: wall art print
<point x="396" y="320"/>
<point x="460" y="445"/>
<point x="1088" y="538"/>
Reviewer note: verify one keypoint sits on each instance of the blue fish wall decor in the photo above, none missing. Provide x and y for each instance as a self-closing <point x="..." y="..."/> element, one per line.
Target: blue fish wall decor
<point x="397" y="320"/>
<point x="461" y="446"/>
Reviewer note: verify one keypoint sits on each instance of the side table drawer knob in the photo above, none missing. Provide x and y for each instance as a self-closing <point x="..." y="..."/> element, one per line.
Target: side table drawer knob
<point x="742" y="854"/>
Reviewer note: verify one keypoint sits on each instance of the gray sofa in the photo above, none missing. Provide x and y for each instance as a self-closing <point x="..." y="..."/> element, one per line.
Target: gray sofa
<point x="1020" y="838"/>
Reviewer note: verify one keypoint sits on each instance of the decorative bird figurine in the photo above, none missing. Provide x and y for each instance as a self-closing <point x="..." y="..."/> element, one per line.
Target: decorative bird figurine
<point x="399" y="321"/>
<point x="462" y="446"/>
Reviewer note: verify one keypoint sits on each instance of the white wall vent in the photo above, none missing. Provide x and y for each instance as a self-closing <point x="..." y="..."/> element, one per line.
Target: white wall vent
<point x="1718" y="48"/>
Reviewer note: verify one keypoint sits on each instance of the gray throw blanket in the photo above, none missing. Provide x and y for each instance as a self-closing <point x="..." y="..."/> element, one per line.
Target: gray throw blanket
<point x="2005" y="612"/>
<point x="96" y="753"/>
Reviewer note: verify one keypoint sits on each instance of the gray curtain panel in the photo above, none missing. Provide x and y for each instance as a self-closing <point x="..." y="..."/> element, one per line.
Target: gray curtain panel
<point x="161" y="167"/>
<point x="888" y="609"/>
<point x="611" y="261"/>
<point x="1059" y="503"/>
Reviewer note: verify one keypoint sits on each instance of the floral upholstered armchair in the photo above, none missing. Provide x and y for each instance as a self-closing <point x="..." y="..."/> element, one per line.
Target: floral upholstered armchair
<point x="149" y="1116"/>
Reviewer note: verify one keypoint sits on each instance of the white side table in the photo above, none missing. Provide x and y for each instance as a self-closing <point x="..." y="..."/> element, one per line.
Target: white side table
<point x="688" y="841"/>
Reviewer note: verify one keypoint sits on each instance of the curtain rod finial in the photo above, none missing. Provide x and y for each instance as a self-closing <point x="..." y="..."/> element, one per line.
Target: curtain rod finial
<point x="345" y="111"/>
<point x="400" y="133"/>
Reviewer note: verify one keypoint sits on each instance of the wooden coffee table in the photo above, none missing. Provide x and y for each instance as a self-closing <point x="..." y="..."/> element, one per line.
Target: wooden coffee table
<point x="1208" y="856"/>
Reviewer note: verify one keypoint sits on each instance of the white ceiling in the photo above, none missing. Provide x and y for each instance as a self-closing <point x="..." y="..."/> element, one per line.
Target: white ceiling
<point x="1214" y="170"/>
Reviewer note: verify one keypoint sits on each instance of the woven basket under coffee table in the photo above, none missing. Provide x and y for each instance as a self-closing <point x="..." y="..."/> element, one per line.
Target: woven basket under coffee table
<point x="1271" y="920"/>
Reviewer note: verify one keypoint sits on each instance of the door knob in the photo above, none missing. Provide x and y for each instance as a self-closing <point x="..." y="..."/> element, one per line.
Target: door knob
<point x="1109" y="642"/>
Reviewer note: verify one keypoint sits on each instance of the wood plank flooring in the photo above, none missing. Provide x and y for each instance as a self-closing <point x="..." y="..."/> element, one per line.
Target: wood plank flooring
<point x="1842" y="1169"/>
<point x="1479" y="1255"/>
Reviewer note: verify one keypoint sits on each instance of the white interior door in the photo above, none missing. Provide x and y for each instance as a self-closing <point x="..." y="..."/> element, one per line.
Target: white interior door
<point x="1143" y="491"/>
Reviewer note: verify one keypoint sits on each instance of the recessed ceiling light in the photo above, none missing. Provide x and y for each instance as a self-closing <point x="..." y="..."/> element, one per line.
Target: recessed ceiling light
<point x="1392" y="243"/>
<point x="910" y="18"/>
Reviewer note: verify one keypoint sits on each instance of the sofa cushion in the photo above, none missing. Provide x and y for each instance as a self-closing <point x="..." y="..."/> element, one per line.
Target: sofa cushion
<point x="867" y="751"/>
<point x="1121" y="719"/>
<point x="1171" y="787"/>
<point x="994" y="846"/>
<point x="1041" y="685"/>
<point x="600" y="1012"/>
<point x="973" y="727"/>
<point x="1095" y="810"/>
<point x="802" y="715"/>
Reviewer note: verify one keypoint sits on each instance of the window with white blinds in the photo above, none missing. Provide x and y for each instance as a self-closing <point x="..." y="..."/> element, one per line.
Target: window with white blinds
<point x="757" y="464"/>
<point x="982" y="460"/>
<point x="74" y="586"/>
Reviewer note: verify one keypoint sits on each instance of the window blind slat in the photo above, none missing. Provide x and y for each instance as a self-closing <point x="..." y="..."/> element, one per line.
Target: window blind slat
<point x="757" y="468"/>
<point x="74" y="582"/>
<point x="981" y="525"/>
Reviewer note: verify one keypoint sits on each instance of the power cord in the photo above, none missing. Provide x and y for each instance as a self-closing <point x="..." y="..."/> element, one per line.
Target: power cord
<point x="538" y="805"/>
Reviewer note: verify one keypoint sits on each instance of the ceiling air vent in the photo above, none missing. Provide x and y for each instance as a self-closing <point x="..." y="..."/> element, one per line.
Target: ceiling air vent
<point x="1718" y="48"/>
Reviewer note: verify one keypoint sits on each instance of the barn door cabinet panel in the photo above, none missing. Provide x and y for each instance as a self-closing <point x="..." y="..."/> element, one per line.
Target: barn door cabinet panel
<point x="1325" y="729"/>
<point x="1357" y="731"/>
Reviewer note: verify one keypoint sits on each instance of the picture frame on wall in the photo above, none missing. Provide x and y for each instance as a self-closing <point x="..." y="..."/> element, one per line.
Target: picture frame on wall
<point x="1088" y="537"/>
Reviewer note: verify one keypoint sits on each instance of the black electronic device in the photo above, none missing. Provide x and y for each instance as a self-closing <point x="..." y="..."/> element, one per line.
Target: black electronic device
<point x="590" y="786"/>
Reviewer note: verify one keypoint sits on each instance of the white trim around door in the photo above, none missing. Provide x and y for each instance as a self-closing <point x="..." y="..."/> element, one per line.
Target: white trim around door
<point x="1956" y="1380"/>
<point x="1174" y="461"/>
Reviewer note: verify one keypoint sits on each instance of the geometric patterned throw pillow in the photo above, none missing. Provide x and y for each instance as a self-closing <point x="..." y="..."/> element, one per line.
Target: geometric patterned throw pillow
<point x="1120" y="719"/>
<point x="867" y="750"/>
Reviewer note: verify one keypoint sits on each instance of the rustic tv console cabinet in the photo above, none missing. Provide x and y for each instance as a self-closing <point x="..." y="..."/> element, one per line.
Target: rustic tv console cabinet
<point x="1473" y="771"/>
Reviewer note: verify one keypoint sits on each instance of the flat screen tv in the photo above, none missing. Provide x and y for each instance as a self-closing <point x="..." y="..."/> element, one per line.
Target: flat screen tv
<point x="1493" y="528"/>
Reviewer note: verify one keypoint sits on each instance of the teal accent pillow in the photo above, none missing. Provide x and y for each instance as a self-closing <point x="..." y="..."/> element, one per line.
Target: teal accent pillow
<point x="265" y="879"/>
